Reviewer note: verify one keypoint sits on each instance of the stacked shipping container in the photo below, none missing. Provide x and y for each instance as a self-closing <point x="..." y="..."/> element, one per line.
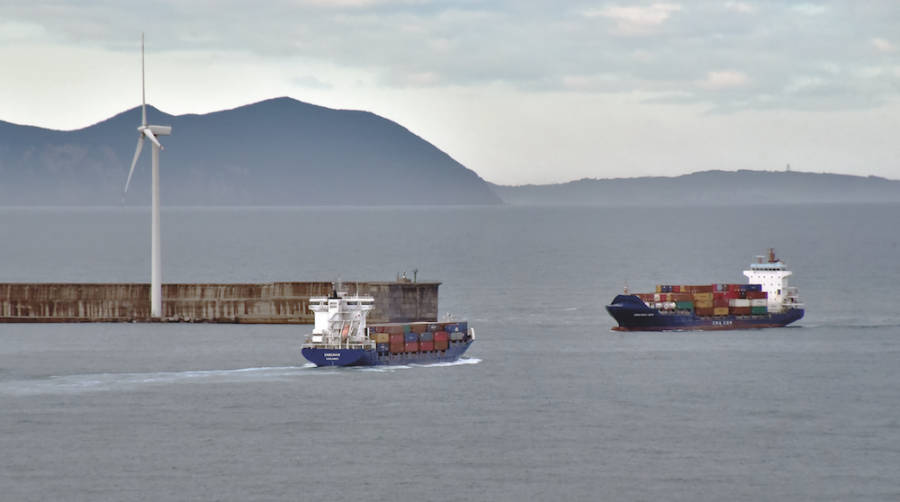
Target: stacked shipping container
<point x="709" y="299"/>
<point x="417" y="337"/>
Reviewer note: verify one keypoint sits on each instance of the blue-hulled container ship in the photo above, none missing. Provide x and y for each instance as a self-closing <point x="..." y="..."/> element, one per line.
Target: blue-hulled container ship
<point x="766" y="301"/>
<point x="341" y="336"/>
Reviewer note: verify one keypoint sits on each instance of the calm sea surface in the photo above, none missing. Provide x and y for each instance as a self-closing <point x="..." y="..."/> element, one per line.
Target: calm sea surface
<point x="550" y="404"/>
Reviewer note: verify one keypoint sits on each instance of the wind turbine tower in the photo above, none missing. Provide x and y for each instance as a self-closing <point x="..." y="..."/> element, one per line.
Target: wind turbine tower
<point x="151" y="132"/>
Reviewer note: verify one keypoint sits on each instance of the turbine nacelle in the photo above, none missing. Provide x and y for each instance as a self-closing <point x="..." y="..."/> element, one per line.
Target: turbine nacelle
<point x="149" y="132"/>
<point x="157" y="130"/>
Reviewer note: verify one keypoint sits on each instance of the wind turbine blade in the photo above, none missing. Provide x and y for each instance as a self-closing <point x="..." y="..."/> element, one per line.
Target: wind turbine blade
<point x="137" y="153"/>
<point x="152" y="137"/>
<point x="143" y="94"/>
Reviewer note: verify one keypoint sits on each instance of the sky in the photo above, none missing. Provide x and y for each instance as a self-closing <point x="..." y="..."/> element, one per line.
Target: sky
<point x="520" y="91"/>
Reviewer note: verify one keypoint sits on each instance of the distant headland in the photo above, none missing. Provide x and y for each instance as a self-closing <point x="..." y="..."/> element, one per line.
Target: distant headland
<point x="742" y="187"/>
<point x="278" y="152"/>
<point x="284" y="152"/>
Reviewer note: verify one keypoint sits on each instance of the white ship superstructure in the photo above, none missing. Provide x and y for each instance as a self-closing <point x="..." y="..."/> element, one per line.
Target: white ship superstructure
<point x="340" y="321"/>
<point x="773" y="276"/>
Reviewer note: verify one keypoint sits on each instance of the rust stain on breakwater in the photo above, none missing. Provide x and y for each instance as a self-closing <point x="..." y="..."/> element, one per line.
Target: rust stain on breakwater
<point x="265" y="303"/>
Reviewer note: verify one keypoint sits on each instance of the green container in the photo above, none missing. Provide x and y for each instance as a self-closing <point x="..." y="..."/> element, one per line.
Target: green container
<point x="759" y="310"/>
<point x="684" y="305"/>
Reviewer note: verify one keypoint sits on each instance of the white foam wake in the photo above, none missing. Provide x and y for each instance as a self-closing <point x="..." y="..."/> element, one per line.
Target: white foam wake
<point x="387" y="368"/>
<point x="98" y="382"/>
<point x="458" y="362"/>
<point x="102" y="382"/>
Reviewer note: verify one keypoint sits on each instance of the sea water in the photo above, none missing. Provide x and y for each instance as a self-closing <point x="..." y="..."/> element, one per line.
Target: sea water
<point x="549" y="404"/>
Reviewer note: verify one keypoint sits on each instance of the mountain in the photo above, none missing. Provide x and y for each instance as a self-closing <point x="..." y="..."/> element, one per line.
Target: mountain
<point x="708" y="188"/>
<point x="275" y="152"/>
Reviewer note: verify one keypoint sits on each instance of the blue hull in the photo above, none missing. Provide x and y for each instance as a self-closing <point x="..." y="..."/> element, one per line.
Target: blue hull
<point x="362" y="357"/>
<point x="634" y="315"/>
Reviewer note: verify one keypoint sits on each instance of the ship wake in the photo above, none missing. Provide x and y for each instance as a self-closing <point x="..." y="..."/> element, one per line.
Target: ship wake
<point x="101" y="382"/>
<point x="395" y="367"/>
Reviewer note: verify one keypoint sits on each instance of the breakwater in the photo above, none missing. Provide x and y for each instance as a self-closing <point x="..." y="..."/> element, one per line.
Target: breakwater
<point x="266" y="303"/>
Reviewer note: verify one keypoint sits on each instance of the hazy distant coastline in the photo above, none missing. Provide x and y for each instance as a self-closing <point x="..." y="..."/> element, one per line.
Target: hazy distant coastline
<point x="283" y="152"/>
<point x="709" y="188"/>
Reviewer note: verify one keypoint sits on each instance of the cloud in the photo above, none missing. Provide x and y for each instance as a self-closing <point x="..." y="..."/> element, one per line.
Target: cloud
<point x="724" y="79"/>
<point x="699" y="52"/>
<point x="810" y="9"/>
<point x="636" y="20"/>
<point x="311" y="82"/>
<point x="742" y="7"/>
<point x="338" y="4"/>
<point x="19" y="31"/>
<point x="883" y="45"/>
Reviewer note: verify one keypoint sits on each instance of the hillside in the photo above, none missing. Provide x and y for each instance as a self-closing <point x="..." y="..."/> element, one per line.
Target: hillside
<point x="275" y="152"/>
<point x="708" y="188"/>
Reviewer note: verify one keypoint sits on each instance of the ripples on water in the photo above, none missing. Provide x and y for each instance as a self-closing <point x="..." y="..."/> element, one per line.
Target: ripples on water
<point x="551" y="404"/>
<point x="100" y="382"/>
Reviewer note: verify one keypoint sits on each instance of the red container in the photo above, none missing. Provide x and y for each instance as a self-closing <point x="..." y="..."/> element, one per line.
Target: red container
<point x="418" y="327"/>
<point x="396" y="338"/>
<point x="393" y="329"/>
<point x="703" y="311"/>
<point x="740" y="310"/>
<point x="397" y="348"/>
<point x="676" y="289"/>
<point x="756" y="295"/>
<point x="442" y="345"/>
<point x="441" y="336"/>
<point x="426" y="346"/>
<point x="720" y="301"/>
<point x="412" y="347"/>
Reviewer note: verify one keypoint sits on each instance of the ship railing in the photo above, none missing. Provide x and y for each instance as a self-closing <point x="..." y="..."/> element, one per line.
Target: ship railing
<point x="343" y="345"/>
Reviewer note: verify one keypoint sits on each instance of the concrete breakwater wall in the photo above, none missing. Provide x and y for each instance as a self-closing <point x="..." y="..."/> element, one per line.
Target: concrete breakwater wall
<point x="268" y="303"/>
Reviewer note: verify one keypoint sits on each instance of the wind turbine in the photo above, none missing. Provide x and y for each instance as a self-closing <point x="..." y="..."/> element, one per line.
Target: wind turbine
<point x="151" y="132"/>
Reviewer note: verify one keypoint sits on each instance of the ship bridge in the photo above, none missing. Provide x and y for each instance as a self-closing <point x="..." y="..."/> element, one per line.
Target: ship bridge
<point x="773" y="275"/>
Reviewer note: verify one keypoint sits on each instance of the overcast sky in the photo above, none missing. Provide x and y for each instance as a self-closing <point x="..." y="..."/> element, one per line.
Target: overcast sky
<point x="521" y="91"/>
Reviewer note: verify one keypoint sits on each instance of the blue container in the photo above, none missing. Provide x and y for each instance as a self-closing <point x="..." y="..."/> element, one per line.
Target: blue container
<point x="457" y="327"/>
<point x="383" y="347"/>
<point x="410" y="337"/>
<point x="426" y="337"/>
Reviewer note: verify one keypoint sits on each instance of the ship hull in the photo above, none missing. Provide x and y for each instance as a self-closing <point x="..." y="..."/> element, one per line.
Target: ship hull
<point x="371" y="357"/>
<point x="632" y="314"/>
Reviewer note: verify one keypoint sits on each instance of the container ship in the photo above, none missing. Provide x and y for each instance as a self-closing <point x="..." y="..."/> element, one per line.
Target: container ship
<point x="341" y="337"/>
<point x="766" y="301"/>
